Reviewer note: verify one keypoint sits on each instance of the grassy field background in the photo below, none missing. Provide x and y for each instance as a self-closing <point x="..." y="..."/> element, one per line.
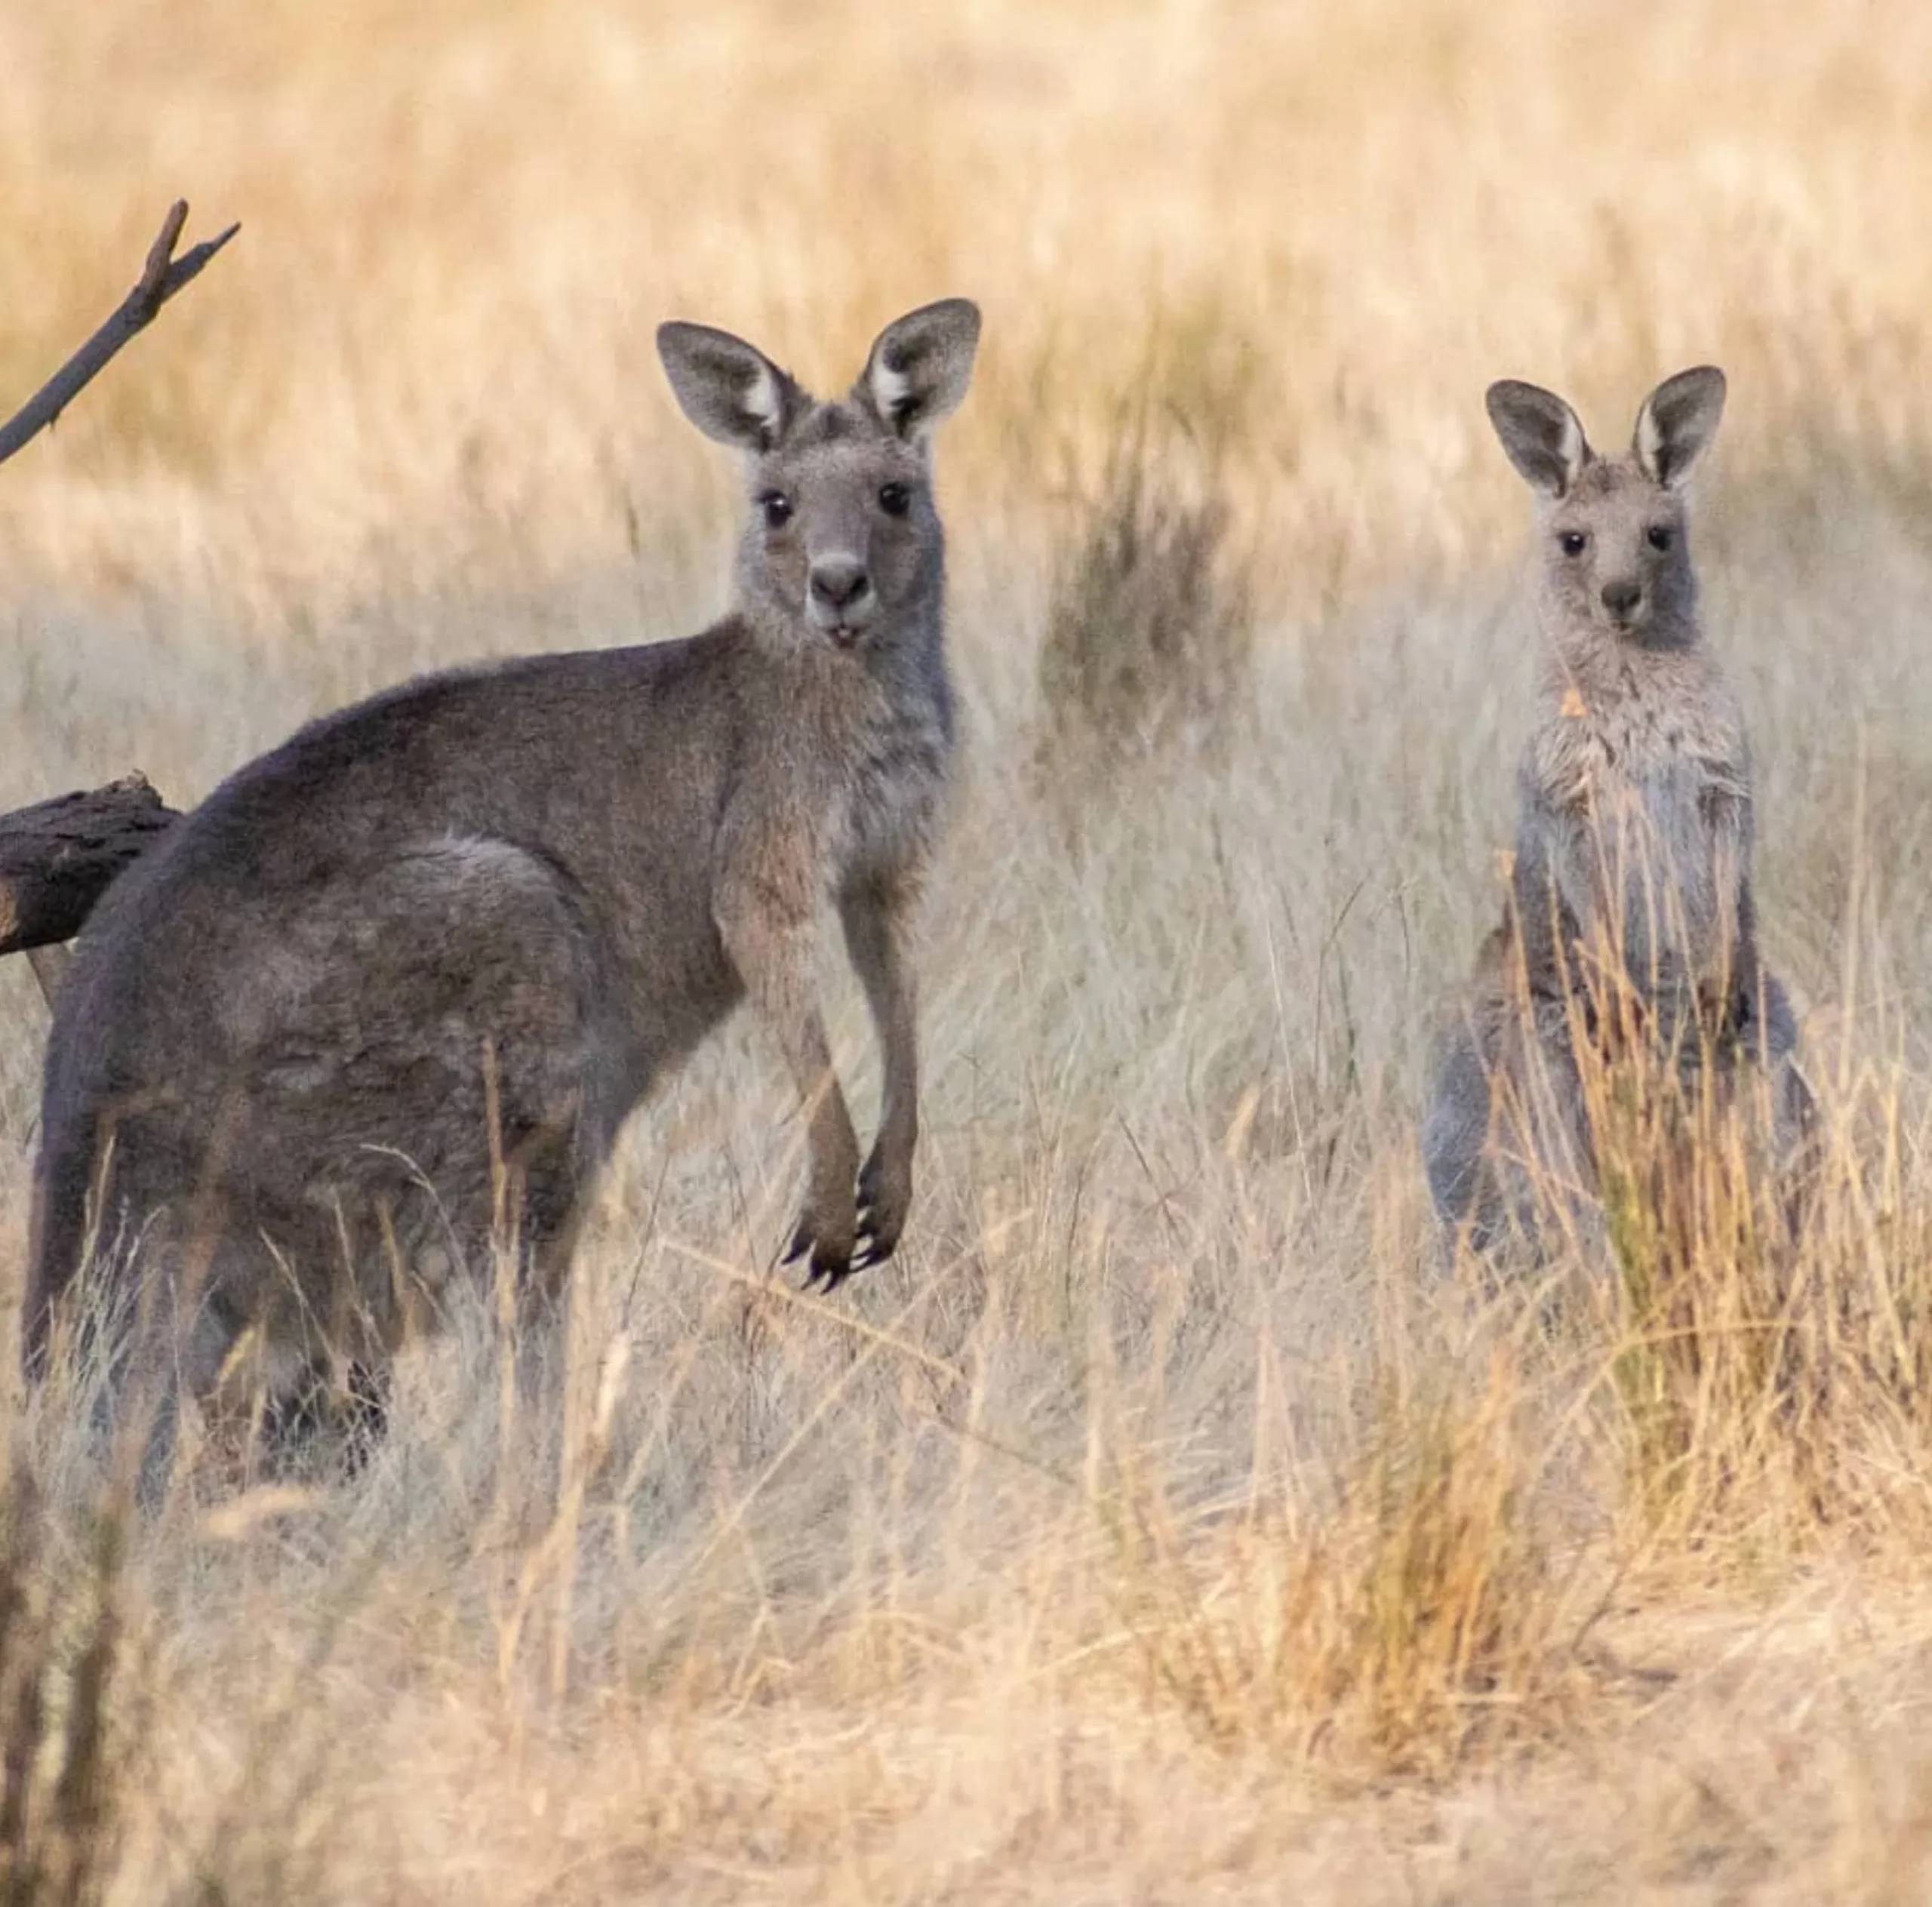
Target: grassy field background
<point x="1163" y="1523"/>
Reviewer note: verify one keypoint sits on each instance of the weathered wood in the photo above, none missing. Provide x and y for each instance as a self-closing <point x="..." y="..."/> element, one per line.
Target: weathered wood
<point x="50" y="966"/>
<point x="57" y="858"/>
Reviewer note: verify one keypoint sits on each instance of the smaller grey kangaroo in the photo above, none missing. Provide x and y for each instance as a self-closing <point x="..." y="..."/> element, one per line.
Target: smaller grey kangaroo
<point x="1631" y="898"/>
<point x="400" y="980"/>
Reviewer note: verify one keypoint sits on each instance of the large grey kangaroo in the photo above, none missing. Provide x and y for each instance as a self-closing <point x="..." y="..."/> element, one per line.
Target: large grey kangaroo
<point x="389" y="992"/>
<point x="1631" y="881"/>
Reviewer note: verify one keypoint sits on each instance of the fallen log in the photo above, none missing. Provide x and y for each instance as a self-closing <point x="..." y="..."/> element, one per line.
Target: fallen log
<point x="57" y="858"/>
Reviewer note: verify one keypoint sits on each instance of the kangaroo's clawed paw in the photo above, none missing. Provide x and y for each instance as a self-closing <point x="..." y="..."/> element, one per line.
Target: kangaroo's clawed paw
<point x="830" y="1264"/>
<point x="884" y="1196"/>
<point x="884" y="1192"/>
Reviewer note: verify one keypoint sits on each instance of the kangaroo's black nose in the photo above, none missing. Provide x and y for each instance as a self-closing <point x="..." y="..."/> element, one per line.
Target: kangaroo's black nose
<point x="839" y="582"/>
<point x="1622" y="596"/>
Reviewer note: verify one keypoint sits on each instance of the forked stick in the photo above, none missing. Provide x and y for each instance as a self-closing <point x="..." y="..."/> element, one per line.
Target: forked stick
<point x="163" y="275"/>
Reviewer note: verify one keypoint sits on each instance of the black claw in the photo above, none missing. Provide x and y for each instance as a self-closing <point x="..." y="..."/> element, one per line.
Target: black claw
<point x="801" y="1240"/>
<point x="872" y="1250"/>
<point x="828" y="1274"/>
<point x="825" y="1272"/>
<point x="881" y="1243"/>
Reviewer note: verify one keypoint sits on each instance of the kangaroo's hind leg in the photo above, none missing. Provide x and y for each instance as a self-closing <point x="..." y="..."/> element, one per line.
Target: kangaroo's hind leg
<point x="409" y="1115"/>
<point x="1455" y="1134"/>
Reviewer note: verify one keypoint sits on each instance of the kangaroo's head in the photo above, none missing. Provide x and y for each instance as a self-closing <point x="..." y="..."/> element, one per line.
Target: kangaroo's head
<point x="842" y="543"/>
<point x="1615" y="556"/>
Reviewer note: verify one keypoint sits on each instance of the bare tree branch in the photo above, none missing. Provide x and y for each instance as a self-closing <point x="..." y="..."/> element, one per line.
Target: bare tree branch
<point x="164" y="275"/>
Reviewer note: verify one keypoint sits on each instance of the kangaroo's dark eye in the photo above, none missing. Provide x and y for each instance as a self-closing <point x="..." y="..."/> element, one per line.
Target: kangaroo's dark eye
<point x="894" y="499"/>
<point x="1572" y="543"/>
<point x="777" y="508"/>
<point x="1659" y="535"/>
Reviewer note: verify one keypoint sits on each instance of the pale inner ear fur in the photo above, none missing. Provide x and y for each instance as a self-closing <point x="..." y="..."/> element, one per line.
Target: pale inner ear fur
<point x="1677" y="422"/>
<point x="728" y="388"/>
<point x="1649" y="441"/>
<point x="1572" y="448"/>
<point x="919" y="367"/>
<point x="1540" y="434"/>
<point x="892" y="390"/>
<point x="763" y="402"/>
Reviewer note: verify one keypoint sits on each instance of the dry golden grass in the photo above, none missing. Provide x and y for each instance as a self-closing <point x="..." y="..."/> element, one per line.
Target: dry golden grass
<point x="1161" y="1523"/>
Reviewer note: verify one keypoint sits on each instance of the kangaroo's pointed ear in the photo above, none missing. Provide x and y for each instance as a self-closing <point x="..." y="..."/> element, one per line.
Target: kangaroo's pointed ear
<point x="920" y="367"/>
<point x="1540" y="434"/>
<point x="733" y="392"/>
<point x="1678" y="420"/>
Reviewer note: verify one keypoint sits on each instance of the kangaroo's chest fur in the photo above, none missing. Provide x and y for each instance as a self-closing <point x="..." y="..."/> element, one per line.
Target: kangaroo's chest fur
<point x="849" y="781"/>
<point x="1638" y="774"/>
<point x="899" y="763"/>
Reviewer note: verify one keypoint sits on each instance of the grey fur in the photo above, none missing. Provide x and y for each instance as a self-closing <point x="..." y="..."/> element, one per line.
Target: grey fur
<point x="427" y="955"/>
<point x="1635" y="831"/>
